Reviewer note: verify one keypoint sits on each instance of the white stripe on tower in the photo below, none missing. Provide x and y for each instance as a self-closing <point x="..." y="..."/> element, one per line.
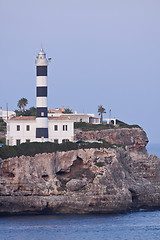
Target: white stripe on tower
<point x="41" y="97"/>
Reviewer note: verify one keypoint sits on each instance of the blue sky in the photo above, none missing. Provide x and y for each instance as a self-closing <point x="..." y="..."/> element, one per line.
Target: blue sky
<point x="103" y="52"/>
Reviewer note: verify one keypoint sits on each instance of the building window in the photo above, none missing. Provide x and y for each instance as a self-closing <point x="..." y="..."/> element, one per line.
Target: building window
<point x="7" y="141"/>
<point x="80" y="119"/>
<point x="65" y="140"/>
<point x="27" y="128"/>
<point x="55" y="127"/>
<point x="28" y="140"/>
<point x="18" y="127"/>
<point x="64" y="127"/>
<point x="18" y="142"/>
<point x="55" y="140"/>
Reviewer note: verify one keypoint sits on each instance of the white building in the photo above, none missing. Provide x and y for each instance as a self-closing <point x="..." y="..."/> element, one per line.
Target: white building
<point x="40" y="128"/>
<point x="23" y="129"/>
<point x="78" y="117"/>
<point x="6" y="114"/>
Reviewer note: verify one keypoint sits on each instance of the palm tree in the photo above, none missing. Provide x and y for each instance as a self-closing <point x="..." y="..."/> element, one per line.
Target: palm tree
<point x="22" y="103"/>
<point x="67" y="111"/>
<point x="101" y="110"/>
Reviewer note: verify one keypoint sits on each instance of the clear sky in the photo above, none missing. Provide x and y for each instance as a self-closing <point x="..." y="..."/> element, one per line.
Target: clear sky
<point x="103" y="52"/>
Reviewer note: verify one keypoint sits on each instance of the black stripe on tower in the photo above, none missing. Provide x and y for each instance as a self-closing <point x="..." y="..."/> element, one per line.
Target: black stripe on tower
<point x="41" y="132"/>
<point x="41" y="70"/>
<point x="41" y="112"/>
<point x="41" y="91"/>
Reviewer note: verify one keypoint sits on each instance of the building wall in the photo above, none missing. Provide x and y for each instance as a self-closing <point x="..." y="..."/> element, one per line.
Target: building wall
<point x="13" y="134"/>
<point x="62" y="133"/>
<point x="94" y="120"/>
<point x="88" y="118"/>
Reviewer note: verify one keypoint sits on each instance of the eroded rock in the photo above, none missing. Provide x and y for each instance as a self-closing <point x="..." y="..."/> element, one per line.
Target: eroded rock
<point x="75" y="184"/>
<point x="84" y="180"/>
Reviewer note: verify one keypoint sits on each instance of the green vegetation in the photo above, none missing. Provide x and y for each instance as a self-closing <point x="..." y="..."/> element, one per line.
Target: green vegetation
<point x="63" y="184"/>
<point x="125" y="125"/>
<point x="3" y="140"/>
<point x="92" y="127"/>
<point x="101" y="110"/>
<point x="29" y="112"/>
<point x="67" y="111"/>
<point x="30" y="149"/>
<point x="95" y="127"/>
<point x="22" y="103"/>
<point x="2" y="126"/>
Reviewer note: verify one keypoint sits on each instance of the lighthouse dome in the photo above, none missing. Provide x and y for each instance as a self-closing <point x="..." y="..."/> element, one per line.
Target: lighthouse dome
<point x="41" y="58"/>
<point x="42" y="54"/>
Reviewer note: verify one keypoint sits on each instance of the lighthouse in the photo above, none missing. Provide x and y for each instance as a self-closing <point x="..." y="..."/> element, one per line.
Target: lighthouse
<point x="41" y="97"/>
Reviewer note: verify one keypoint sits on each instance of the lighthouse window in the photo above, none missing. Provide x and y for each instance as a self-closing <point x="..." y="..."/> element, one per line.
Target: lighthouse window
<point x="18" y="127"/>
<point x="28" y="128"/>
<point x="64" y="127"/>
<point x="55" y="127"/>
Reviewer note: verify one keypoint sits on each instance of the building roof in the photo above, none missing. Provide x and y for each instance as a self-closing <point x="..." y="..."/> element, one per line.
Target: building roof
<point x="32" y="118"/>
<point x="76" y="115"/>
<point x="61" y="118"/>
<point x="55" y="110"/>
<point x="23" y="118"/>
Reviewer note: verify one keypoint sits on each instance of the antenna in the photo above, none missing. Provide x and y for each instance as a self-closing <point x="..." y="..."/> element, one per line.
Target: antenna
<point x="7" y="110"/>
<point x="41" y="45"/>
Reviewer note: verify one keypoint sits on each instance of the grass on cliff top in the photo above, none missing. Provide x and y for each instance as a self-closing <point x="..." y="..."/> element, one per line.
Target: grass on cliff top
<point x="30" y="149"/>
<point x="94" y="127"/>
<point x="121" y="124"/>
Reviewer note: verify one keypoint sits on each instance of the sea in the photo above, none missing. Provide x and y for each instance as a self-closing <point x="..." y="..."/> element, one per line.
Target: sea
<point x="140" y="225"/>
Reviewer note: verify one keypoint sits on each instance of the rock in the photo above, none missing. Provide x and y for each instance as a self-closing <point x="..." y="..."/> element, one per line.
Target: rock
<point x="85" y="180"/>
<point x="134" y="138"/>
<point x="75" y="184"/>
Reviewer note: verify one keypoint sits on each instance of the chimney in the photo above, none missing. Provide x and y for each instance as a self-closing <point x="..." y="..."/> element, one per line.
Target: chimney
<point x="62" y="109"/>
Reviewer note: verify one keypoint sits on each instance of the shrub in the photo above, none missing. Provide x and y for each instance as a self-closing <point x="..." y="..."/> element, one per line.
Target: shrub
<point x="94" y="127"/>
<point x="63" y="184"/>
<point x="2" y="125"/>
<point x="91" y="127"/>
<point x="30" y="149"/>
<point x="125" y="125"/>
<point x="3" y="140"/>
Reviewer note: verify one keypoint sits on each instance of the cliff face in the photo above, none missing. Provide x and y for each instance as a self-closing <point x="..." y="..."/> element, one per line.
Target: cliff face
<point x="90" y="180"/>
<point x="134" y="138"/>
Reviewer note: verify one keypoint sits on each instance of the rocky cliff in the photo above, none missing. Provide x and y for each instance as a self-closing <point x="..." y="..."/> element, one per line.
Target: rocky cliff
<point x="85" y="180"/>
<point x="134" y="138"/>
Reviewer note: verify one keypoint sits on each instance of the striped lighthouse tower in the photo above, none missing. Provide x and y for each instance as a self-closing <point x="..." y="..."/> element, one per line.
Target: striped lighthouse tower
<point x="41" y="97"/>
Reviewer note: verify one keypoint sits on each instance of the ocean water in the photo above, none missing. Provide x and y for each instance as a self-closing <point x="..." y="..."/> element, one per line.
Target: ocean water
<point x="129" y="226"/>
<point x="154" y="148"/>
<point x="141" y="225"/>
